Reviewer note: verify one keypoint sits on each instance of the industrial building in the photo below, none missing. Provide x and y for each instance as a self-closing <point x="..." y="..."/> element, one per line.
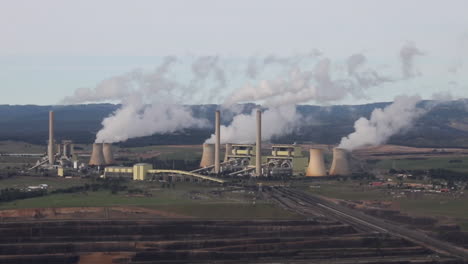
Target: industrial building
<point x="145" y="171"/>
<point x="239" y="159"/>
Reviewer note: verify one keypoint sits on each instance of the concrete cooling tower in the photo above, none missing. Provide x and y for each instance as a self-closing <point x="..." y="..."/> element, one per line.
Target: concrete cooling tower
<point x="108" y="154"/>
<point x="316" y="166"/>
<point x="340" y="164"/>
<point x="97" y="156"/>
<point x="228" y="151"/>
<point x="208" y="156"/>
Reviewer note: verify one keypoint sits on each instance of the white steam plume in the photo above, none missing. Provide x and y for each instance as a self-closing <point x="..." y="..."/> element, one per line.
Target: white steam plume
<point x="384" y="123"/>
<point x="147" y="104"/>
<point x="407" y="55"/>
<point x="275" y="122"/>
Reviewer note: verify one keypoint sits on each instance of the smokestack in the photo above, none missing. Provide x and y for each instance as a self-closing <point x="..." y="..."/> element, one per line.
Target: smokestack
<point x="340" y="164"/>
<point x="218" y="140"/>
<point x="228" y="151"/>
<point x="316" y="166"/>
<point x="258" y="150"/>
<point x="97" y="157"/>
<point x="208" y="155"/>
<point x="108" y="154"/>
<point x="50" y="150"/>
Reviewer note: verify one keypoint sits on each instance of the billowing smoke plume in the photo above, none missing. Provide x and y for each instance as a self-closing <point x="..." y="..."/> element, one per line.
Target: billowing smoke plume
<point x="147" y="104"/>
<point x="317" y="84"/>
<point x="275" y="122"/>
<point x="384" y="123"/>
<point x="407" y="55"/>
<point x="152" y="101"/>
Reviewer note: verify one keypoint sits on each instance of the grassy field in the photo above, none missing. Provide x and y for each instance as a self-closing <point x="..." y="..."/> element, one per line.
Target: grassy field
<point x="53" y="182"/>
<point x="438" y="205"/>
<point x="347" y="190"/>
<point x="188" y="199"/>
<point x="429" y="163"/>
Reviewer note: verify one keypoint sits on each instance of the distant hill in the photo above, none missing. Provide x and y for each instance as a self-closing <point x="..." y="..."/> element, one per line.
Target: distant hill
<point x="446" y="125"/>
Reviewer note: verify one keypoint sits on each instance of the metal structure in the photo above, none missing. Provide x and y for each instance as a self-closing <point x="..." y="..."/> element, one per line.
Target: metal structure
<point x="217" y="142"/>
<point x="340" y="164"/>
<point x="97" y="156"/>
<point x="144" y="171"/>
<point x="228" y="151"/>
<point x="108" y="153"/>
<point x="316" y="166"/>
<point x="51" y="144"/>
<point x="285" y="160"/>
<point x="258" y="147"/>
<point x="208" y="155"/>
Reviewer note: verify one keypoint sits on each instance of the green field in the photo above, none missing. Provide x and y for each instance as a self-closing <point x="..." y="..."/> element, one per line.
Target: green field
<point x="188" y="199"/>
<point x="429" y="163"/>
<point x="436" y="205"/>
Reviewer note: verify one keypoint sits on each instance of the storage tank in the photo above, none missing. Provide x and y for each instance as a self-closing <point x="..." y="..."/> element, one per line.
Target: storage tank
<point x="208" y="155"/>
<point x="316" y="166"/>
<point x="340" y="164"/>
<point x="97" y="156"/>
<point x="108" y="153"/>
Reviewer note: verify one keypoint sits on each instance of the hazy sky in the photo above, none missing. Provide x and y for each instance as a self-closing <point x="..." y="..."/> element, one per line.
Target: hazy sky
<point x="50" y="48"/>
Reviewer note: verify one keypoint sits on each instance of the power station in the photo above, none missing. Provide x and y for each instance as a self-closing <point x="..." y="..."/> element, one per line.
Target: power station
<point x="239" y="160"/>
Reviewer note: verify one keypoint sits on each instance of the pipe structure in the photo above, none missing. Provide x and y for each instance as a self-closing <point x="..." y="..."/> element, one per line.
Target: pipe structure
<point x="108" y="153"/>
<point x="97" y="157"/>
<point x="50" y="150"/>
<point x="340" y="164"/>
<point x="258" y="150"/>
<point x="207" y="156"/>
<point x="228" y="151"/>
<point x="316" y="166"/>
<point x="218" y="141"/>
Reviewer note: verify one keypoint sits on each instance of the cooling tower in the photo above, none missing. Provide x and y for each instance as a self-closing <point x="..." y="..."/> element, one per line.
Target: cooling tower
<point x="108" y="154"/>
<point x="50" y="149"/>
<point x="97" y="156"/>
<point x="340" y="164"/>
<point x="208" y="155"/>
<point x="316" y="166"/>
<point x="258" y="149"/>
<point x="218" y="141"/>
<point x="228" y="151"/>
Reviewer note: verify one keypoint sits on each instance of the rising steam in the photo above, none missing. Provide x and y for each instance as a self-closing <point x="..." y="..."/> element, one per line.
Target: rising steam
<point x="275" y="122"/>
<point x="384" y="123"/>
<point x="407" y="55"/>
<point x="152" y="102"/>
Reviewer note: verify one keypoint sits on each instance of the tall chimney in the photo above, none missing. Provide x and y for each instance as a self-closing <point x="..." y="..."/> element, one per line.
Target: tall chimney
<point x="108" y="154"/>
<point x="258" y="150"/>
<point x="340" y="165"/>
<point x="218" y="141"/>
<point x="316" y="166"/>
<point x="228" y="151"/>
<point x="50" y="150"/>
<point x="207" y="156"/>
<point x="97" y="157"/>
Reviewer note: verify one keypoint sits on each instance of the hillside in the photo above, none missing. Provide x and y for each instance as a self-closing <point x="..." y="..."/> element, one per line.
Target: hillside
<point x="446" y="125"/>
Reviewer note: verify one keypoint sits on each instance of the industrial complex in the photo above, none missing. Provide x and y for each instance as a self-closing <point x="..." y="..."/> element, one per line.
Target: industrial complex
<point x="246" y="160"/>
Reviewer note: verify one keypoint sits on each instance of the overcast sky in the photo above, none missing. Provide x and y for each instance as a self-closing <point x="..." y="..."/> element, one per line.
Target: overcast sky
<point x="49" y="48"/>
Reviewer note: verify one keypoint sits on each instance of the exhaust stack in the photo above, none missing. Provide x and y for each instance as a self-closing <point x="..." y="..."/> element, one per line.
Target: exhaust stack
<point x="108" y="153"/>
<point x="316" y="166"/>
<point x="97" y="156"/>
<point x="50" y="149"/>
<point x="218" y="141"/>
<point x="258" y="149"/>
<point x="228" y="151"/>
<point x="207" y="156"/>
<point x="340" y="164"/>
